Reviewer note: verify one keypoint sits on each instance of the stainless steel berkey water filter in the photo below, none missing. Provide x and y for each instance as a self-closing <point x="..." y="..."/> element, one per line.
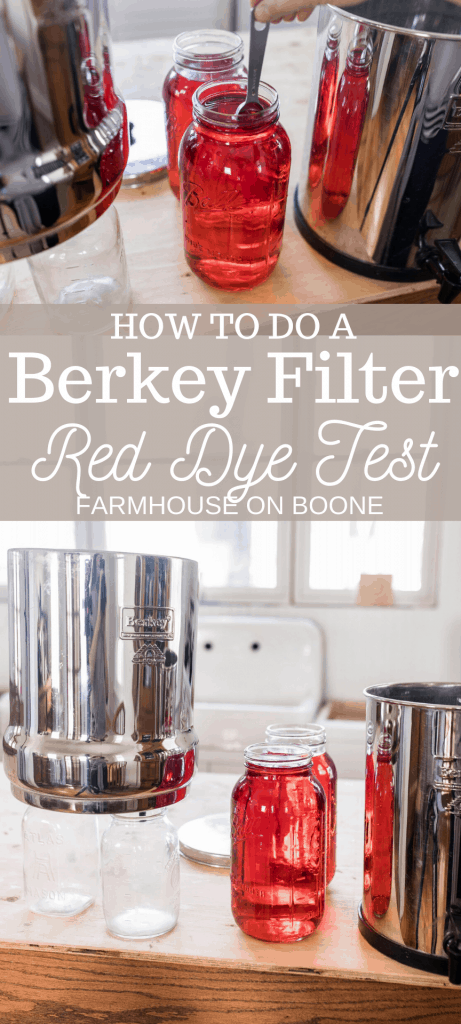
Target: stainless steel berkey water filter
<point x="411" y="907"/>
<point x="384" y="130"/>
<point x="102" y="657"/>
<point x="63" y="127"/>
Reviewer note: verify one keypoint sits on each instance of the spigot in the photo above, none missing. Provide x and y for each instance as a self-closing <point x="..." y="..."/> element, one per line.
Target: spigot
<point x="452" y="945"/>
<point x="442" y="259"/>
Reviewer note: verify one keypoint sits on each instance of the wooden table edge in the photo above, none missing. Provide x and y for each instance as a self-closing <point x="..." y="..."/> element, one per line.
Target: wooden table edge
<point x="151" y="959"/>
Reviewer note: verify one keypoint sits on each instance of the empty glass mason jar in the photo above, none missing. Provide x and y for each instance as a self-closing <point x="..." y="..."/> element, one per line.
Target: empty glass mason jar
<point x="61" y="862"/>
<point x="88" y="268"/>
<point x="200" y="56"/>
<point x="140" y="874"/>
<point x="314" y="736"/>
<point x="278" y="844"/>
<point x="234" y="173"/>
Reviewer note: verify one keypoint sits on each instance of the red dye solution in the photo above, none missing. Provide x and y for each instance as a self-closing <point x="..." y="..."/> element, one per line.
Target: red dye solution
<point x="368" y="846"/>
<point x="278" y="853"/>
<point x="199" y="56"/>
<point x="113" y="160"/>
<point x="178" y="768"/>
<point x="110" y="96"/>
<point x="324" y="114"/>
<point x="382" y="832"/>
<point x="234" y="183"/>
<point x="325" y="771"/>
<point x="349" y="116"/>
<point x="99" y="97"/>
<point x="177" y="97"/>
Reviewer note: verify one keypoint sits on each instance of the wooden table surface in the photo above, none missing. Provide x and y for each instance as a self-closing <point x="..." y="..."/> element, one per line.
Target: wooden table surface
<point x="206" y="971"/>
<point x="151" y="216"/>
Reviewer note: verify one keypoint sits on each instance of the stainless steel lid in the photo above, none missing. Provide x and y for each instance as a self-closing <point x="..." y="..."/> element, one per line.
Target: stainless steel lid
<point x="445" y="696"/>
<point x="101" y="679"/>
<point x="207" y="840"/>
<point x="427" y="18"/>
<point x="147" y="159"/>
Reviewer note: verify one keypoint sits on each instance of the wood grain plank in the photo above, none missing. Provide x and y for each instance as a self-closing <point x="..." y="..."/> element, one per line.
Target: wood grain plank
<point x="93" y="988"/>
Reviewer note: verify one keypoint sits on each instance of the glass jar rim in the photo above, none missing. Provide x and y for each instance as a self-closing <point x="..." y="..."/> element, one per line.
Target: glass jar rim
<point x="314" y="735"/>
<point x="152" y="814"/>
<point x="278" y="755"/>
<point x="228" y="50"/>
<point x="257" y="120"/>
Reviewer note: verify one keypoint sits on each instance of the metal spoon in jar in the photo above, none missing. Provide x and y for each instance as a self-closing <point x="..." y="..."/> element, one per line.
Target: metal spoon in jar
<point x="258" y="39"/>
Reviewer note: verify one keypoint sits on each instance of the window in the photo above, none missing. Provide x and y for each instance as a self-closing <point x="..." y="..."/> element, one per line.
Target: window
<point x="238" y="561"/>
<point x="331" y="558"/>
<point x="32" y="535"/>
<point x="241" y="562"/>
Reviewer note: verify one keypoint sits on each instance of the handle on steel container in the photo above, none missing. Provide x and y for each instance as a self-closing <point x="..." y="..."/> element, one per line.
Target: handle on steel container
<point x="452" y="945"/>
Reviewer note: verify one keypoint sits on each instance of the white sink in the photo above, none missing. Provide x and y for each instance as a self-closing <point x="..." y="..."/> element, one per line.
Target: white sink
<point x="253" y="670"/>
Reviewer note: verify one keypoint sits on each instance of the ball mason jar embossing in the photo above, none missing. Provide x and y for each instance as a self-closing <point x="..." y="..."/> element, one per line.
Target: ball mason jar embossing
<point x="234" y="172"/>
<point x="60" y="861"/>
<point x="278" y="844"/>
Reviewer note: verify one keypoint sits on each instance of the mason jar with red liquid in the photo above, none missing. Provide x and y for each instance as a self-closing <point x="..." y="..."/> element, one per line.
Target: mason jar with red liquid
<point x="199" y="57"/>
<point x="314" y="736"/>
<point x="278" y="844"/>
<point x="234" y="170"/>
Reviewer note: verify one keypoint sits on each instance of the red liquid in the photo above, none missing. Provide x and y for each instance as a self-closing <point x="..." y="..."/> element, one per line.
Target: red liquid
<point x="325" y="771"/>
<point x="177" y="96"/>
<point x="368" y="848"/>
<point x="233" y="192"/>
<point x="278" y="853"/>
<point x="94" y="107"/>
<point x="120" y="146"/>
<point x="349" y="116"/>
<point x="324" y="115"/>
<point x="178" y="768"/>
<point x="110" y="96"/>
<point x="100" y="98"/>
<point x="383" y="822"/>
<point x="113" y="160"/>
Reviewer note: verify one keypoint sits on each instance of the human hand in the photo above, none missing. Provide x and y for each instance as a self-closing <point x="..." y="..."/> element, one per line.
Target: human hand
<point x="287" y="10"/>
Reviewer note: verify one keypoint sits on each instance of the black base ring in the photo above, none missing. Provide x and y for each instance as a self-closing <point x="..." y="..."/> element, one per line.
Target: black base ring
<point x="342" y="259"/>
<point x="403" y="954"/>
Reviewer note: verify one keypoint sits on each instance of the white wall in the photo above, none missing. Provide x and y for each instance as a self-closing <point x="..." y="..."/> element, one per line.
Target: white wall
<point x="149" y="19"/>
<point x="374" y="645"/>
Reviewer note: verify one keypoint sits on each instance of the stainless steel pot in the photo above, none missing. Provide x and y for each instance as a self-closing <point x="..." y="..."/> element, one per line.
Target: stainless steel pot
<point x="400" y="217"/>
<point x="411" y="908"/>
<point x="101" y="679"/>
<point x="63" y="132"/>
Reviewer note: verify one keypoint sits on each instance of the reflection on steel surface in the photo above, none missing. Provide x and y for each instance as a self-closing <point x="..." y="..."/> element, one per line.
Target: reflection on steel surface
<point x="101" y="719"/>
<point x="63" y="138"/>
<point x="408" y="157"/>
<point x="414" y="731"/>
